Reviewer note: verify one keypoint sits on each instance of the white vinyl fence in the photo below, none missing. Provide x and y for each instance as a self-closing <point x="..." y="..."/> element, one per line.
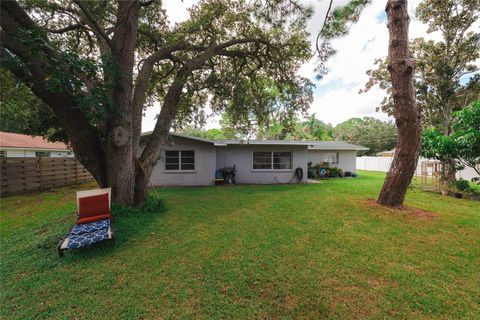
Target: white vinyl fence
<point x="383" y="164"/>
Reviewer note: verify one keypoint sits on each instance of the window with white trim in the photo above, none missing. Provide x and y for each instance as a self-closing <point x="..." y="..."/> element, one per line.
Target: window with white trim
<point x="3" y="154"/>
<point x="272" y="160"/>
<point x="330" y="157"/>
<point x="179" y="160"/>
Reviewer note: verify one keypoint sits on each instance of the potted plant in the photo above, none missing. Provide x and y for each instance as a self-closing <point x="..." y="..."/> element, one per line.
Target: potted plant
<point x="311" y="171"/>
<point x="316" y="170"/>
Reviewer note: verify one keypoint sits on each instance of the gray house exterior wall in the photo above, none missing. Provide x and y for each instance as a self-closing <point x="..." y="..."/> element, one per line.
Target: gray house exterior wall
<point x="203" y="174"/>
<point x="346" y="158"/>
<point x="242" y="157"/>
<point x="213" y="155"/>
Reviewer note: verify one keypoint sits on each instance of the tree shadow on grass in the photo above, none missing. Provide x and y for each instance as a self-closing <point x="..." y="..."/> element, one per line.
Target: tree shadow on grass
<point x="130" y="224"/>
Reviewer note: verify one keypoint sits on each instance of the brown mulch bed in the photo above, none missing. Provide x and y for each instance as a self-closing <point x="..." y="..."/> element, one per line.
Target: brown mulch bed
<point x="413" y="211"/>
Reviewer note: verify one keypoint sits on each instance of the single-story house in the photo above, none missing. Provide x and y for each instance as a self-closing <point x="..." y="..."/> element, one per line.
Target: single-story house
<point x="26" y="146"/>
<point x="192" y="161"/>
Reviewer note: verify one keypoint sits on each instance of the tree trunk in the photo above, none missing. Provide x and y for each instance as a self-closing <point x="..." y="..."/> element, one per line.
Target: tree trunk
<point x="448" y="171"/>
<point x="406" y="113"/>
<point x="120" y="149"/>
<point x="141" y="184"/>
<point x="448" y="166"/>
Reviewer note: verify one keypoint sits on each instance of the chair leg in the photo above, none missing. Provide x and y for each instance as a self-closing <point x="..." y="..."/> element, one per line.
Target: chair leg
<point x="60" y="252"/>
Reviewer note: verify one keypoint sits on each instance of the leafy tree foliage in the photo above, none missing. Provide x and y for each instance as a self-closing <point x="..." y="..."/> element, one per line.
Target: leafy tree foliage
<point x="23" y="112"/>
<point x="309" y="129"/>
<point x="369" y="132"/>
<point x="212" y="134"/>
<point x="444" y="78"/>
<point x="463" y="145"/>
<point x="315" y="128"/>
<point x="98" y="64"/>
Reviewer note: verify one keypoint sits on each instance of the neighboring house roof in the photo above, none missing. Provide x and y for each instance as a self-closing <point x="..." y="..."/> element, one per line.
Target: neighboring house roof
<point x="387" y="153"/>
<point x="24" y="141"/>
<point x="312" y="145"/>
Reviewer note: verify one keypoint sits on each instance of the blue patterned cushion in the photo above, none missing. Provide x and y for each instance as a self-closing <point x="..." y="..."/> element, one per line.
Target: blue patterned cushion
<point x="90" y="227"/>
<point x="85" y="239"/>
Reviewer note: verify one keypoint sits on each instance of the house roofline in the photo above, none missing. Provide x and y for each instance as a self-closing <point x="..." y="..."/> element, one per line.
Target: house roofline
<point x="311" y="145"/>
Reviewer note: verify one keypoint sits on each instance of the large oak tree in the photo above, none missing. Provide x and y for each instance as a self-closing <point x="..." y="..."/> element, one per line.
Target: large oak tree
<point x="98" y="64"/>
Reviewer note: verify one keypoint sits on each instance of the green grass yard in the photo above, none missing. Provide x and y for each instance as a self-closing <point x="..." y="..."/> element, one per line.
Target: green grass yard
<point x="249" y="252"/>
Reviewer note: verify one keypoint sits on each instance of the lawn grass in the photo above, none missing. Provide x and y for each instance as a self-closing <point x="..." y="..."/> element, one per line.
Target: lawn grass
<point x="248" y="252"/>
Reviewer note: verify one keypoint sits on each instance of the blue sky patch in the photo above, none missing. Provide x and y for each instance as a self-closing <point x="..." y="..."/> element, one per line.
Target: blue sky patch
<point x="381" y="17"/>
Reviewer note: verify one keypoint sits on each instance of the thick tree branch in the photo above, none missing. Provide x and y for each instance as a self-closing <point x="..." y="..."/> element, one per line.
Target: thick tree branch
<point x="141" y="86"/>
<point x="67" y="28"/>
<point x="325" y="21"/>
<point x="195" y="63"/>
<point x="96" y="28"/>
<point x="147" y="3"/>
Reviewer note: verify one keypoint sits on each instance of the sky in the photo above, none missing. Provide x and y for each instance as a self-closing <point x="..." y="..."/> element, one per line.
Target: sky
<point x="336" y="97"/>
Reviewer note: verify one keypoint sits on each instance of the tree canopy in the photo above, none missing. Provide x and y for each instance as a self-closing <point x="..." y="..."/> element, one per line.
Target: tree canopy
<point x="375" y="134"/>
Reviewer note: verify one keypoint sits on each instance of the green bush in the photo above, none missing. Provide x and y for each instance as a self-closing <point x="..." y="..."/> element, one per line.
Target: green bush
<point x="462" y="185"/>
<point x="335" y="172"/>
<point x="332" y="172"/>
<point x="151" y="205"/>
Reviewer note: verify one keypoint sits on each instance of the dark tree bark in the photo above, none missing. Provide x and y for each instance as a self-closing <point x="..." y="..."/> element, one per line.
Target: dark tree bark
<point x="406" y="112"/>
<point x="120" y="150"/>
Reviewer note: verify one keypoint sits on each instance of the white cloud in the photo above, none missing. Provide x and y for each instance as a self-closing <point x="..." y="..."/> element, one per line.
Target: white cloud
<point x="344" y="103"/>
<point x="336" y="96"/>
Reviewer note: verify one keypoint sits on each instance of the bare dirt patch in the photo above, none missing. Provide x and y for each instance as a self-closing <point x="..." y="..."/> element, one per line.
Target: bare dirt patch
<point x="405" y="210"/>
<point x="291" y="302"/>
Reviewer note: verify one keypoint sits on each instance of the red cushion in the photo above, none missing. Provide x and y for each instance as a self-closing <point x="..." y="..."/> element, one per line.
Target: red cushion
<point x="94" y="218"/>
<point x="93" y="205"/>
